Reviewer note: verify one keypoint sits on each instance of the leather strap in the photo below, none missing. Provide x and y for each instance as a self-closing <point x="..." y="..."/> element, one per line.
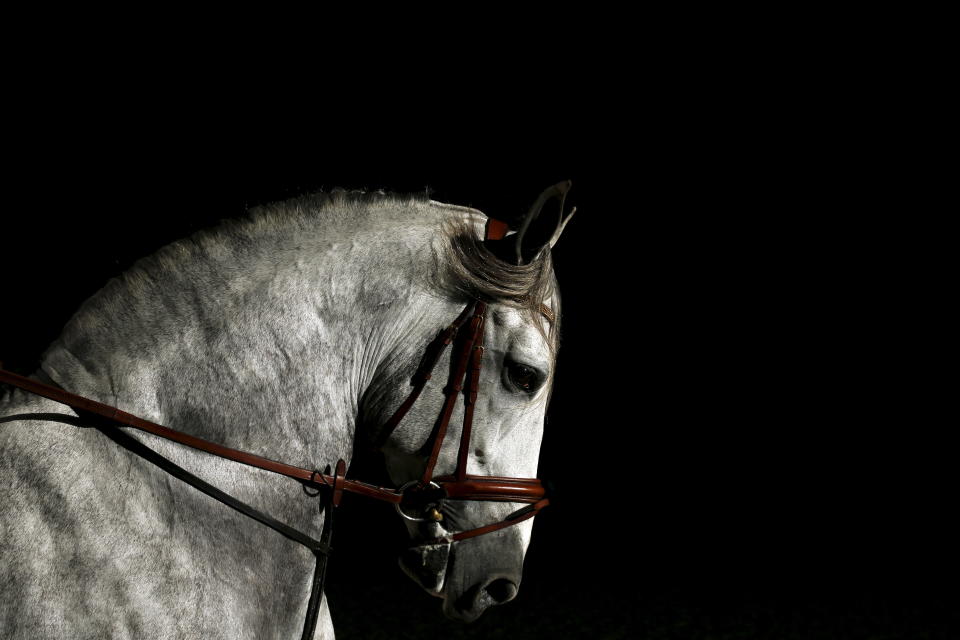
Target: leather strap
<point x="320" y="569"/>
<point x="453" y="389"/>
<point x="495" y="229"/>
<point x="338" y="482"/>
<point x="516" y="517"/>
<point x="473" y="388"/>
<point x="133" y="445"/>
<point x="424" y="373"/>
<point x="548" y="313"/>
<point x="495" y="488"/>
<point x="311" y="478"/>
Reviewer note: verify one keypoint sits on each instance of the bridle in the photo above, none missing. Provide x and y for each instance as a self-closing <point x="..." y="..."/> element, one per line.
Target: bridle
<point x="424" y="495"/>
<point x="428" y="493"/>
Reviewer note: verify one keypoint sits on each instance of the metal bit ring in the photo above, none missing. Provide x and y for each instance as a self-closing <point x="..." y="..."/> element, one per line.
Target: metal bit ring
<point x="411" y="518"/>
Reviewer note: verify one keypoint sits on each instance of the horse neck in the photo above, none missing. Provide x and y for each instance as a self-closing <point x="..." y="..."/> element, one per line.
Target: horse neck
<point x="263" y="346"/>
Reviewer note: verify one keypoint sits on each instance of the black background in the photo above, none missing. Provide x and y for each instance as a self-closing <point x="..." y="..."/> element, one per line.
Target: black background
<point x="730" y="459"/>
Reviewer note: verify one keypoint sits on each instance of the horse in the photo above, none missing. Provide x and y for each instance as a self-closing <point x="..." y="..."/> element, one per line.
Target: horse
<point x="294" y="333"/>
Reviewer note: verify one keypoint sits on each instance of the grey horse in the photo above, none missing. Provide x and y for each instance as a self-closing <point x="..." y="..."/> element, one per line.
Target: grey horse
<point x="291" y="333"/>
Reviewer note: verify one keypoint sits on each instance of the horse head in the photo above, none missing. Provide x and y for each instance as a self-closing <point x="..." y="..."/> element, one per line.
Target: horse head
<point x="466" y="551"/>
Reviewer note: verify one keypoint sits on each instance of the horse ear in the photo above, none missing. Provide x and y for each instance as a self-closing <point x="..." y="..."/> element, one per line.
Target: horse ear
<point x="539" y="228"/>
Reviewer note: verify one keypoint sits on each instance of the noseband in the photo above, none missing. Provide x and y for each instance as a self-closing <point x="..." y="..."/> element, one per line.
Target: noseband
<point x="425" y="494"/>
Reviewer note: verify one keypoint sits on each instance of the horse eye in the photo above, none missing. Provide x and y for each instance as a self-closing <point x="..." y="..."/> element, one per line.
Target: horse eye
<point x="523" y="377"/>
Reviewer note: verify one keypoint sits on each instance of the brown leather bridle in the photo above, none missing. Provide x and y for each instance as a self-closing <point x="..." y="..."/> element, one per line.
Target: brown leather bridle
<point x="425" y="494"/>
<point x="464" y="377"/>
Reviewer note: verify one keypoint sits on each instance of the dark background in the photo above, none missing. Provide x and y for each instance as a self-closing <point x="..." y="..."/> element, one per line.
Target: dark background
<point x="731" y="455"/>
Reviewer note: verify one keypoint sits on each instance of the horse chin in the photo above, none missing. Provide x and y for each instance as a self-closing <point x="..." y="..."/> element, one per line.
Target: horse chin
<point x="427" y="566"/>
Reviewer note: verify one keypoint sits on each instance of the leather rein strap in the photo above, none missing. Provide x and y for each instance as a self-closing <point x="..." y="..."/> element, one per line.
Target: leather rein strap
<point x="306" y="476"/>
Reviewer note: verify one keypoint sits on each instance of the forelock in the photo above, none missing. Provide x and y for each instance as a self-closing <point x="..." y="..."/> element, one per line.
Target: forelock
<point x="473" y="271"/>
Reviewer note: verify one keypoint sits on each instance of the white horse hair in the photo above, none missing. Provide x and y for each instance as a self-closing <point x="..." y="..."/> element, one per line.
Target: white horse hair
<point x="289" y="333"/>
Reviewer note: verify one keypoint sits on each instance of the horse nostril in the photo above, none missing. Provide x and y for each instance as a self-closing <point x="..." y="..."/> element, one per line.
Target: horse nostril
<point x="502" y="590"/>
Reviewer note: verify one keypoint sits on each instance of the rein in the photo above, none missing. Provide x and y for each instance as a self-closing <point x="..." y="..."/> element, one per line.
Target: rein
<point x="122" y="418"/>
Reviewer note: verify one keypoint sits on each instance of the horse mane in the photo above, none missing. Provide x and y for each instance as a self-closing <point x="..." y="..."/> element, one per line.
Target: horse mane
<point x="467" y="267"/>
<point x="470" y="268"/>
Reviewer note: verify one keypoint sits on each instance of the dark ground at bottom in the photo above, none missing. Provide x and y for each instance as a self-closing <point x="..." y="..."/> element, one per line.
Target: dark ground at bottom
<point x="393" y="608"/>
